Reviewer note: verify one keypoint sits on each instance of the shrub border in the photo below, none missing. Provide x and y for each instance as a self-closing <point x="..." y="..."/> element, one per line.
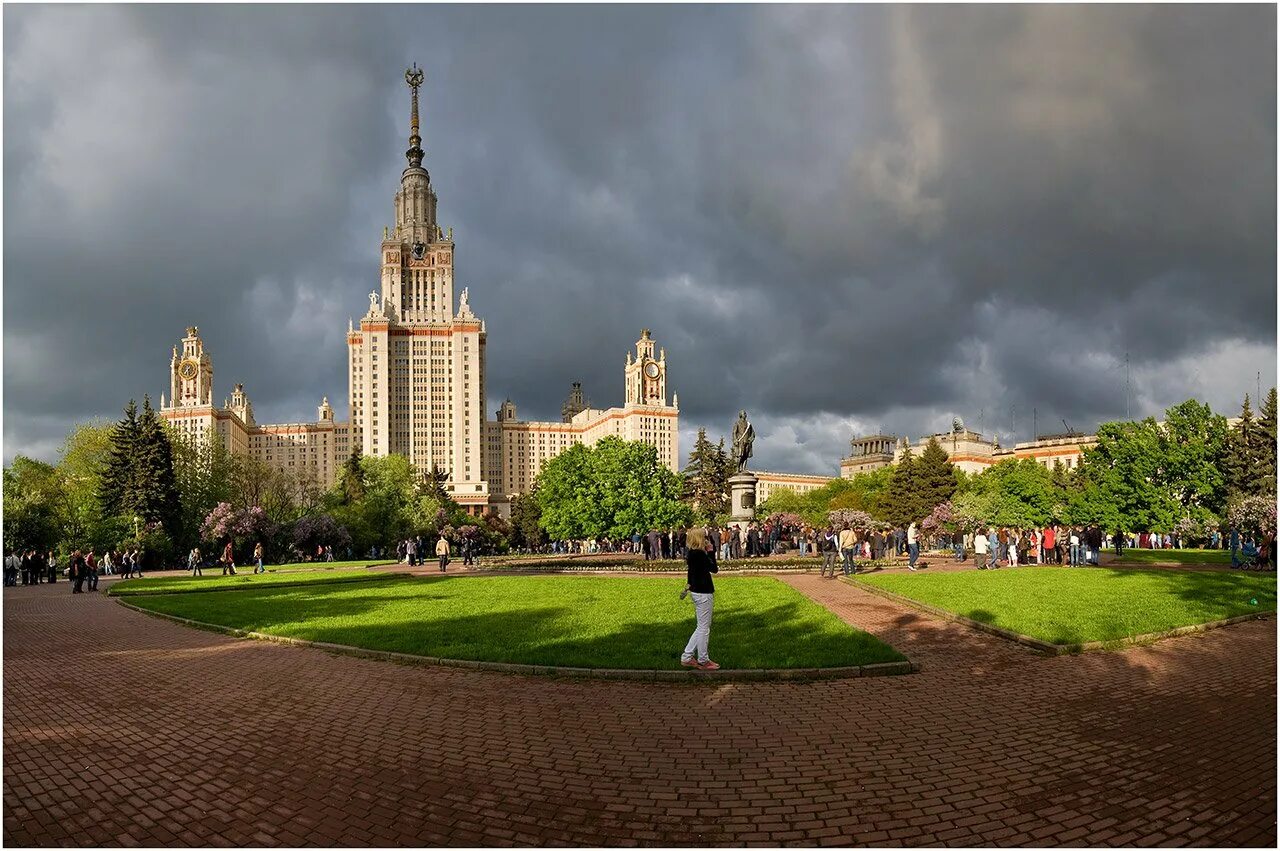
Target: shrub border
<point x="1046" y="647"/>
<point x="679" y="675"/>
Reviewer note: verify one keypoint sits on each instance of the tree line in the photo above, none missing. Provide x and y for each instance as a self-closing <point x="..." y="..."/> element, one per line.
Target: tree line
<point x="1188" y="474"/>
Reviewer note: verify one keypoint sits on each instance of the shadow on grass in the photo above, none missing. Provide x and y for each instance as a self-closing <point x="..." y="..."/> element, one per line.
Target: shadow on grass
<point x="785" y="634"/>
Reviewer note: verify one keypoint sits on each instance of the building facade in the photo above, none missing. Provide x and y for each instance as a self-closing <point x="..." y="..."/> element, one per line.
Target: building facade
<point x="968" y="450"/>
<point x="517" y="450"/>
<point x="311" y="451"/>
<point x="768" y="483"/>
<point x="416" y="379"/>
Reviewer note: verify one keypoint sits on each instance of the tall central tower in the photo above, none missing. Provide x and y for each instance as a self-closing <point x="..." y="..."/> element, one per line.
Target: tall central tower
<point x="416" y="363"/>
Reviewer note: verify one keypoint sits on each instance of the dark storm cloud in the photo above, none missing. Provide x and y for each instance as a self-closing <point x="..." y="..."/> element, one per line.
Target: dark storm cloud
<point x="837" y="218"/>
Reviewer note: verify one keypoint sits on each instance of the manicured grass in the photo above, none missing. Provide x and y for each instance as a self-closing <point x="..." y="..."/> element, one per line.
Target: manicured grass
<point x="1179" y="556"/>
<point x="1076" y="605"/>
<point x="213" y="579"/>
<point x="590" y="622"/>
<point x="312" y="565"/>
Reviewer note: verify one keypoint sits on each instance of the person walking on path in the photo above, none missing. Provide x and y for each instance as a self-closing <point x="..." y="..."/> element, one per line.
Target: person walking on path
<point x="980" y="548"/>
<point x="91" y="566"/>
<point x="228" y="560"/>
<point x="442" y="550"/>
<point x="257" y="557"/>
<point x="848" y="540"/>
<point x="193" y="562"/>
<point x="830" y="543"/>
<point x="1235" y="547"/>
<point x="701" y="565"/>
<point x="913" y="546"/>
<point x="466" y="552"/>
<point x="77" y="572"/>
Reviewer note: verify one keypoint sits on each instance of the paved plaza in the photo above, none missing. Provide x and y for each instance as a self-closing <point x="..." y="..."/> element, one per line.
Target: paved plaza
<point x="125" y="729"/>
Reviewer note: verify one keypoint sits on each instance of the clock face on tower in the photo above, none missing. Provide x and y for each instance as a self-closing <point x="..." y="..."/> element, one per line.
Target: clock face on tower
<point x="188" y="370"/>
<point x="651" y="369"/>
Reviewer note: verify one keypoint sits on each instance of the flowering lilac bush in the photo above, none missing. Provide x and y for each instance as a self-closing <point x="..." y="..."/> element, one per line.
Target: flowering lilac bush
<point x="320" y="530"/>
<point x="219" y="523"/>
<point x="940" y="519"/>
<point x="225" y="521"/>
<point x="1253" y="514"/>
<point x="855" y="518"/>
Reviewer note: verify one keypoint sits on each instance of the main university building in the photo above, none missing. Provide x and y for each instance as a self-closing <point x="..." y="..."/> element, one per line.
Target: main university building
<point x="416" y="380"/>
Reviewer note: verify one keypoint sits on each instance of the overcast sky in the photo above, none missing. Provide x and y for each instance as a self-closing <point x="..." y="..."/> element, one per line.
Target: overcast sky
<point x="839" y="219"/>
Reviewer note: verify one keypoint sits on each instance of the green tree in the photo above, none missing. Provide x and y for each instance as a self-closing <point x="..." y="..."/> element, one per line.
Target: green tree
<point x="32" y="519"/>
<point x="203" y="470"/>
<point x="864" y="492"/>
<point x="433" y="484"/>
<point x="1266" y="472"/>
<point x="901" y="504"/>
<point x="118" y="487"/>
<point x="706" y="485"/>
<point x="1194" y="450"/>
<point x="1019" y="492"/>
<point x="1125" y="477"/>
<point x="388" y="508"/>
<point x="351" y="478"/>
<point x="82" y="462"/>
<point x="526" y="528"/>
<point x="935" y="477"/>
<point x="613" y="488"/>
<point x="156" y="496"/>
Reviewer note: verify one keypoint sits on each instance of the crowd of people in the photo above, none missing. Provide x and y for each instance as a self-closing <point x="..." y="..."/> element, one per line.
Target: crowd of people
<point x="83" y="568"/>
<point x="410" y="551"/>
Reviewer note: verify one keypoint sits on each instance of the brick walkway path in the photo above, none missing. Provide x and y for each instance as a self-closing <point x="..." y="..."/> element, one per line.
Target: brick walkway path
<point x="125" y="729"/>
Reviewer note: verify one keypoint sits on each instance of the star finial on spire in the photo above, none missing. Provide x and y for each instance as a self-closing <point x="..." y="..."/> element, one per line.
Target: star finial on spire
<point x="414" y="77"/>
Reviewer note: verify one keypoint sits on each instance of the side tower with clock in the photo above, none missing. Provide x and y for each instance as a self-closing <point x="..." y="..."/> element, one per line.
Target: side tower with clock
<point x="191" y="373"/>
<point x="646" y="375"/>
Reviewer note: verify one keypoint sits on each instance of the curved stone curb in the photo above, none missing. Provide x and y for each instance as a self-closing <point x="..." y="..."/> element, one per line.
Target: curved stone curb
<point x="681" y="675"/>
<point x="1046" y="647"/>
<point x="341" y="580"/>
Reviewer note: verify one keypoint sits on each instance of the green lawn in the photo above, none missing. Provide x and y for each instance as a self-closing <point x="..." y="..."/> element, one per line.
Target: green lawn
<point x="1076" y="605"/>
<point x="1179" y="556"/>
<point x="213" y="579"/>
<point x="590" y="622"/>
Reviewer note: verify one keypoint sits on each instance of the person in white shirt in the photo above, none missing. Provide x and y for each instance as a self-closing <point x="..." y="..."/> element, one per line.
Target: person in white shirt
<point x="913" y="546"/>
<point x="980" y="547"/>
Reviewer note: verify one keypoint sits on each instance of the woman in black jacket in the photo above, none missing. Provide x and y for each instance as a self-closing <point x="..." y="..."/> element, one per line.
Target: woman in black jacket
<point x="701" y="565"/>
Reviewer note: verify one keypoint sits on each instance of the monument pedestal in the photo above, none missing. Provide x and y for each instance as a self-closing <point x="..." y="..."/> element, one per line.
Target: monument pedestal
<point x="742" y="498"/>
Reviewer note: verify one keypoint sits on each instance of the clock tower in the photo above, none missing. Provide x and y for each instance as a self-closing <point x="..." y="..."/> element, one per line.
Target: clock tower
<point x="646" y="375"/>
<point x="191" y="373"/>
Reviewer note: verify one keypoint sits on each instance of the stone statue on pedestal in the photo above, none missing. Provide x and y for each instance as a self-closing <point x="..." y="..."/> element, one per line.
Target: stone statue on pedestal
<point x="744" y="435"/>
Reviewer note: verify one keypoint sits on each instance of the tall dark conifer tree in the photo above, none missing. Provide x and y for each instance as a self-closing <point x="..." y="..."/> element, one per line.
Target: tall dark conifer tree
<point x="900" y="503"/>
<point x="117" y="490"/>
<point x="156" y="497"/>
<point x="1265" y="477"/>
<point x="705" y="479"/>
<point x="935" y="477"/>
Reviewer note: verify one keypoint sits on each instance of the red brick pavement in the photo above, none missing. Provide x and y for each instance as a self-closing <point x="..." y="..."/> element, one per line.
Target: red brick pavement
<point x="121" y="729"/>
